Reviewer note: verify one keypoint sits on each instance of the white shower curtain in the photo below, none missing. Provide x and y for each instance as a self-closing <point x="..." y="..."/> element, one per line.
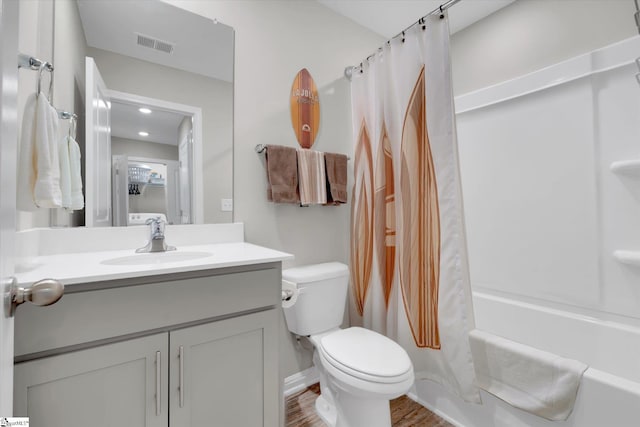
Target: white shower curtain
<point x="409" y="270"/>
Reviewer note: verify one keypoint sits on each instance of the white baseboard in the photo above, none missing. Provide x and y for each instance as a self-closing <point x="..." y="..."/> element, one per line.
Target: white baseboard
<point x="301" y="380"/>
<point x="415" y="398"/>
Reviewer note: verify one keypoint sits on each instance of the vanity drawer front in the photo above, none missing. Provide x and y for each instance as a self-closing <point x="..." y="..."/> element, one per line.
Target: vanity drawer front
<point x="85" y="317"/>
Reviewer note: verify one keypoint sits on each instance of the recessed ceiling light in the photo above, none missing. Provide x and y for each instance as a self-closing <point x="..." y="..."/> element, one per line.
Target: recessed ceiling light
<point x="143" y="133"/>
<point x="144" y="110"/>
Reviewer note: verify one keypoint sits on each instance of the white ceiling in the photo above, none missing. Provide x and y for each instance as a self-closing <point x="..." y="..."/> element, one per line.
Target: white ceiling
<point x="127" y="121"/>
<point x="390" y="17"/>
<point x="201" y="45"/>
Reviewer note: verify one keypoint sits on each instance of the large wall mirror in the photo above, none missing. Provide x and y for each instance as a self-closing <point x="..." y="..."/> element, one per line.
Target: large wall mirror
<point x="158" y="112"/>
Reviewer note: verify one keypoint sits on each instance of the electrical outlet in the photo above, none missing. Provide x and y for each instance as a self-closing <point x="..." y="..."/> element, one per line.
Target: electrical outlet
<point x="226" y="205"/>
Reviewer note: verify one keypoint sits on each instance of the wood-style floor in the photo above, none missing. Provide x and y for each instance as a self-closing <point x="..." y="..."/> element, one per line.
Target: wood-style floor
<point x="405" y="412"/>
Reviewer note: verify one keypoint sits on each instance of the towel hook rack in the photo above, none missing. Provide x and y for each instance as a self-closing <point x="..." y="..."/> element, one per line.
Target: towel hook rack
<point x="32" y="63"/>
<point x="48" y="67"/>
<point x="73" y="122"/>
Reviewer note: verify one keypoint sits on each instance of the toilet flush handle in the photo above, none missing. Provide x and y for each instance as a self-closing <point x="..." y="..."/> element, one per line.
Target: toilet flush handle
<point x="287" y="294"/>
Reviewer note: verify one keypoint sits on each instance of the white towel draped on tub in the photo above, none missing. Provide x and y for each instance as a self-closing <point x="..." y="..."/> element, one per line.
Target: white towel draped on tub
<point x="527" y="378"/>
<point x="39" y="169"/>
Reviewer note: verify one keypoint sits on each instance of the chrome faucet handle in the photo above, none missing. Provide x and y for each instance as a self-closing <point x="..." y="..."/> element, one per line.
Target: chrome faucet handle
<point x="157" y="227"/>
<point x="156" y="241"/>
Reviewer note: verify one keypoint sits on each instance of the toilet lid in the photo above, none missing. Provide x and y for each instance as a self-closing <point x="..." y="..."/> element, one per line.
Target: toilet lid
<point x="366" y="352"/>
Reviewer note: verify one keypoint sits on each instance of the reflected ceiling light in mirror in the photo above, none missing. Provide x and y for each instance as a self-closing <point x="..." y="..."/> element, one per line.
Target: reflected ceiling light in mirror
<point x="144" y="110"/>
<point x="142" y="133"/>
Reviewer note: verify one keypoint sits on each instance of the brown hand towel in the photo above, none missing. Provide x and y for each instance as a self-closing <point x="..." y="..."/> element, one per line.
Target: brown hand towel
<point x="312" y="177"/>
<point x="336" y="178"/>
<point x="282" y="174"/>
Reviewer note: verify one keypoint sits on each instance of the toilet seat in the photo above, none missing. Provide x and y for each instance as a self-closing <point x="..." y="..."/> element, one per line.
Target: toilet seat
<point x="366" y="355"/>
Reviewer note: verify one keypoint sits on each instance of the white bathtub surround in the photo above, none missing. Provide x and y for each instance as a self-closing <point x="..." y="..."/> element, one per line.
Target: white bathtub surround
<point x="545" y="212"/>
<point x="527" y="378"/>
<point x="603" y="400"/>
<point x="408" y="250"/>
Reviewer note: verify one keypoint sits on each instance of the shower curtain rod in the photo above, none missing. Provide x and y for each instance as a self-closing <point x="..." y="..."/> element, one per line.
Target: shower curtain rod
<point x="348" y="71"/>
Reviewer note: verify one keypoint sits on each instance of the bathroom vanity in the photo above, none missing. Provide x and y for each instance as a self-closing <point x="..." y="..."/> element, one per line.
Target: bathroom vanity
<point x="178" y="343"/>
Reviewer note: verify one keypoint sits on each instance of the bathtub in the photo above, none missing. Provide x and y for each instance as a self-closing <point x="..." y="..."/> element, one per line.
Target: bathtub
<point x="545" y="211"/>
<point x="609" y="395"/>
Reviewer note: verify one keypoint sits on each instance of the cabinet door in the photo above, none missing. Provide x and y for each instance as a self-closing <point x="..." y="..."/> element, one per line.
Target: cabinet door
<point x="225" y="373"/>
<point x="114" y="384"/>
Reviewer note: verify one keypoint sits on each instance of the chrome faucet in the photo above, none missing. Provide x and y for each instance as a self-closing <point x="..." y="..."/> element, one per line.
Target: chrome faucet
<point x="156" y="241"/>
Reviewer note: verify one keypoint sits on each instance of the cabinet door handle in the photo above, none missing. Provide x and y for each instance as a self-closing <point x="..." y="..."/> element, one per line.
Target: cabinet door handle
<point x="181" y="379"/>
<point x="158" y="382"/>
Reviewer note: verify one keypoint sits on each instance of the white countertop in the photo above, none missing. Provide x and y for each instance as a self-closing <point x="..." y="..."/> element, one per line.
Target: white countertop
<point x="87" y="267"/>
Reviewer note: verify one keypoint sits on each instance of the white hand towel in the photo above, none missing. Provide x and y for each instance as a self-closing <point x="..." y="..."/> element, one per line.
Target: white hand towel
<point x="77" y="199"/>
<point x="27" y="160"/>
<point x="65" y="172"/>
<point x="312" y="178"/>
<point x="530" y="379"/>
<point x="39" y="170"/>
<point x="46" y="191"/>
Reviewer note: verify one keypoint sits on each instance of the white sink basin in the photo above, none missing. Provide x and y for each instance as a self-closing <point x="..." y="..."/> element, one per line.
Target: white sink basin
<point x="156" y="258"/>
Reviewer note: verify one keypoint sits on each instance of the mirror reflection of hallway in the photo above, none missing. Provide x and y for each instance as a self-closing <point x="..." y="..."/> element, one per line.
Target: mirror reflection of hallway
<point x="146" y="188"/>
<point x="151" y="164"/>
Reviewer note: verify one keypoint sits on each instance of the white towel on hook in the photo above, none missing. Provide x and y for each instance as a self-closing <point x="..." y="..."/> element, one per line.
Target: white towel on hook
<point x="27" y="162"/>
<point x="65" y="172"/>
<point x="77" y="199"/>
<point x="70" y="174"/>
<point x="39" y="169"/>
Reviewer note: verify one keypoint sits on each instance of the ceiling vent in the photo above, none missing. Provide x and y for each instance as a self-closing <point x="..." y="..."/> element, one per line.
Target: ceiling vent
<point x="154" y="43"/>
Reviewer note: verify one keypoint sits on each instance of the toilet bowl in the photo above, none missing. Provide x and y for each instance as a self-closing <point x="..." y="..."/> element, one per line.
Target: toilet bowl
<point x="360" y="370"/>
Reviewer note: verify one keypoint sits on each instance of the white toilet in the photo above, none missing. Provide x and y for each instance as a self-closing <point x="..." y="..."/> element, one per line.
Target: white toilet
<point x="360" y="370"/>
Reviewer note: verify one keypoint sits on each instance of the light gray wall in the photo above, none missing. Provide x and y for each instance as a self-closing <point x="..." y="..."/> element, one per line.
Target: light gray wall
<point x="69" y="51"/>
<point x="529" y="35"/>
<point x="215" y="97"/>
<point x="147" y="149"/>
<point x="274" y="40"/>
<point x="35" y="26"/>
<point x="38" y="22"/>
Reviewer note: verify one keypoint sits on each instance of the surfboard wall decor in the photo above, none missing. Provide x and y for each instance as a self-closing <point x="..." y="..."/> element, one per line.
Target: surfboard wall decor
<point x="305" y="108"/>
<point x="385" y="215"/>
<point x="420" y="251"/>
<point x="362" y="220"/>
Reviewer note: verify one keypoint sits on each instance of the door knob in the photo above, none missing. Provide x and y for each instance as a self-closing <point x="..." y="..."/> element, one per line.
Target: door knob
<point x="43" y="292"/>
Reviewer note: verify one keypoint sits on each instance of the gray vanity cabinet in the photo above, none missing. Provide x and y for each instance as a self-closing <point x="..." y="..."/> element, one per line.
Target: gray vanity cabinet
<point x="221" y="373"/>
<point x="190" y="350"/>
<point x="114" y="384"/>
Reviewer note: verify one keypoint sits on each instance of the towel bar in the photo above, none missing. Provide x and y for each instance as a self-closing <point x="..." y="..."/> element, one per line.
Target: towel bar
<point x="261" y="148"/>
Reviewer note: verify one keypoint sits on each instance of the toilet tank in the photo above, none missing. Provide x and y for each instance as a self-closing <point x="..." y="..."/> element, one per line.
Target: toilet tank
<point x="320" y="296"/>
